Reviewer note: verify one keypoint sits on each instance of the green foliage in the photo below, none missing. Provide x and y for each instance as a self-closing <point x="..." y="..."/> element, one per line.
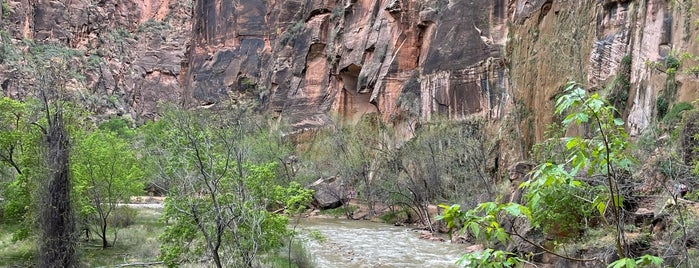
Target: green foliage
<point x="295" y="197"/>
<point x="223" y="177"/>
<point x="674" y="116"/>
<point x="12" y="129"/>
<point x="47" y="53"/>
<point x="482" y="221"/>
<point x="6" y="9"/>
<point x="661" y="105"/>
<point x="17" y="200"/>
<point x="339" y="211"/>
<point x="153" y="26"/>
<point x="105" y="168"/>
<point x="490" y="258"/>
<point x="18" y="153"/>
<point x="563" y="210"/>
<point x="119" y="127"/>
<point x="643" y="261"/>
<point x="672" y="63"/>
<point x="255" y="230"/>
<point x="620" y="87"/>
<point x="105" y="172"/>
<point x="317" y="236"/>
<point x="292" y="32"/>
<point x="551" y="149"/>
<point x="555" y="200"/>
<point x="9" y="54"/>
<point x="604" y="152"/>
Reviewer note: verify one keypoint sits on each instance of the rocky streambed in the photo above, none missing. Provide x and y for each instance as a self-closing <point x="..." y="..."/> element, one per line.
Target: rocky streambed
<point x="347" y="243"/>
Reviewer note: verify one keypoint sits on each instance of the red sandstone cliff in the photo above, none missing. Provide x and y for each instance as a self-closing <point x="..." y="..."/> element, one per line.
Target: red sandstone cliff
<point x="309" y="60"/>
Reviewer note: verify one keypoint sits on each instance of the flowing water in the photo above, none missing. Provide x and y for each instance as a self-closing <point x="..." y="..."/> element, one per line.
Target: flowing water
<point x="368" y="244"/>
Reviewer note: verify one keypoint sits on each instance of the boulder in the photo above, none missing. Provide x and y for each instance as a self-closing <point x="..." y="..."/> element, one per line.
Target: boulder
<point x="329" y="193"/>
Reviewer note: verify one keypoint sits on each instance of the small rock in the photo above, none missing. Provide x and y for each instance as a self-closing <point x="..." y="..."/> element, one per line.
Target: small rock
<point x="475" y="248"/>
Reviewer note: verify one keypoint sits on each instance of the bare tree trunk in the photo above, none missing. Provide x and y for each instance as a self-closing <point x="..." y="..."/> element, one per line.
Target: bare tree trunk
<point x="56" y="222"/>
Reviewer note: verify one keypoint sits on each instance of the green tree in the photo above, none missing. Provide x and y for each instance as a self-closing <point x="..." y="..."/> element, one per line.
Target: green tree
<point x="15" y="190"/>
<point x="220" y="186"/>
<point x="12" y="129"/>
<point x="105" y="172"/>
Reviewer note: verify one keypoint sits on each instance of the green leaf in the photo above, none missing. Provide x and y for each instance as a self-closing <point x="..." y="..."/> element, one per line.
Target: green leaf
<point x="618" y="200"/>
<point x="513" y="209"/>
<point x="601" y="208"/>
<point x="475" y="229"/>
<point x="501" y="235"/>
<point x="618" y="122"/>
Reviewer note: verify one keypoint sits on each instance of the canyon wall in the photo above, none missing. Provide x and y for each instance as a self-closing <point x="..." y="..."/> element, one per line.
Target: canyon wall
<point x="309" y="62"/>
<point x="127" y="55"/>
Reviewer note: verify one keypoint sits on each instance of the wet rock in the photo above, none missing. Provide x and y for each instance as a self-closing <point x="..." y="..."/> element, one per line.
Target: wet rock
<point x="474" y="248"/>
<point x="430" y="236"/>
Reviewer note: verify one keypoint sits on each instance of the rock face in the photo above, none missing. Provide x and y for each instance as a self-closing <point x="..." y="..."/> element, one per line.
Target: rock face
<point x="307" y="61"/>
<point x="128" y="55"/>
<point x="602" y="43"/>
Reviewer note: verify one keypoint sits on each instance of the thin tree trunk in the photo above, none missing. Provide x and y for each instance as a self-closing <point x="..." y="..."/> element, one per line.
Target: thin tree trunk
<point x="105" y="243"/>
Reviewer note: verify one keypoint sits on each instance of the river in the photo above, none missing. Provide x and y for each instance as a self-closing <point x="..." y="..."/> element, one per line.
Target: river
<point x="356" y="244"/>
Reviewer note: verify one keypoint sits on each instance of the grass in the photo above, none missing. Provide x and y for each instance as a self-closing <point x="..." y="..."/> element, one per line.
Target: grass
<point x="14" y="253"/>
<point x="136" y="243"/>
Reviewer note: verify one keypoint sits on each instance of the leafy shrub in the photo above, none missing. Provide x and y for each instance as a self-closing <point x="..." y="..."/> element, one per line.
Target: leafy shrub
<point x="672" y="62"/>
<point x="562" y="211"/>
<point x="6" y="9"/>
<point x="673" y="115"/>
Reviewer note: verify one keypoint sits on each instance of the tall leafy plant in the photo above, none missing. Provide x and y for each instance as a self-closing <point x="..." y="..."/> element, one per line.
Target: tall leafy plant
<point x="601" y="151"/>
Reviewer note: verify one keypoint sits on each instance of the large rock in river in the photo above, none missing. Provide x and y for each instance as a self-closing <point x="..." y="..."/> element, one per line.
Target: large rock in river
<point x="329" y="193"/>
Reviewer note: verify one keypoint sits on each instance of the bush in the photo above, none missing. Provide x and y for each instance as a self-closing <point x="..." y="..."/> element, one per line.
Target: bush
<point x="673" y="116"/>
<point x="562" y="212"/>
<point x="672" y="62"/>
<point x="123" y="217"/>
<point x="290" y="34"/>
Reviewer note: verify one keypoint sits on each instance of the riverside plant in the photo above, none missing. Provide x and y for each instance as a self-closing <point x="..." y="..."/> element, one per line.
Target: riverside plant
<point x="601" y="153"/>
